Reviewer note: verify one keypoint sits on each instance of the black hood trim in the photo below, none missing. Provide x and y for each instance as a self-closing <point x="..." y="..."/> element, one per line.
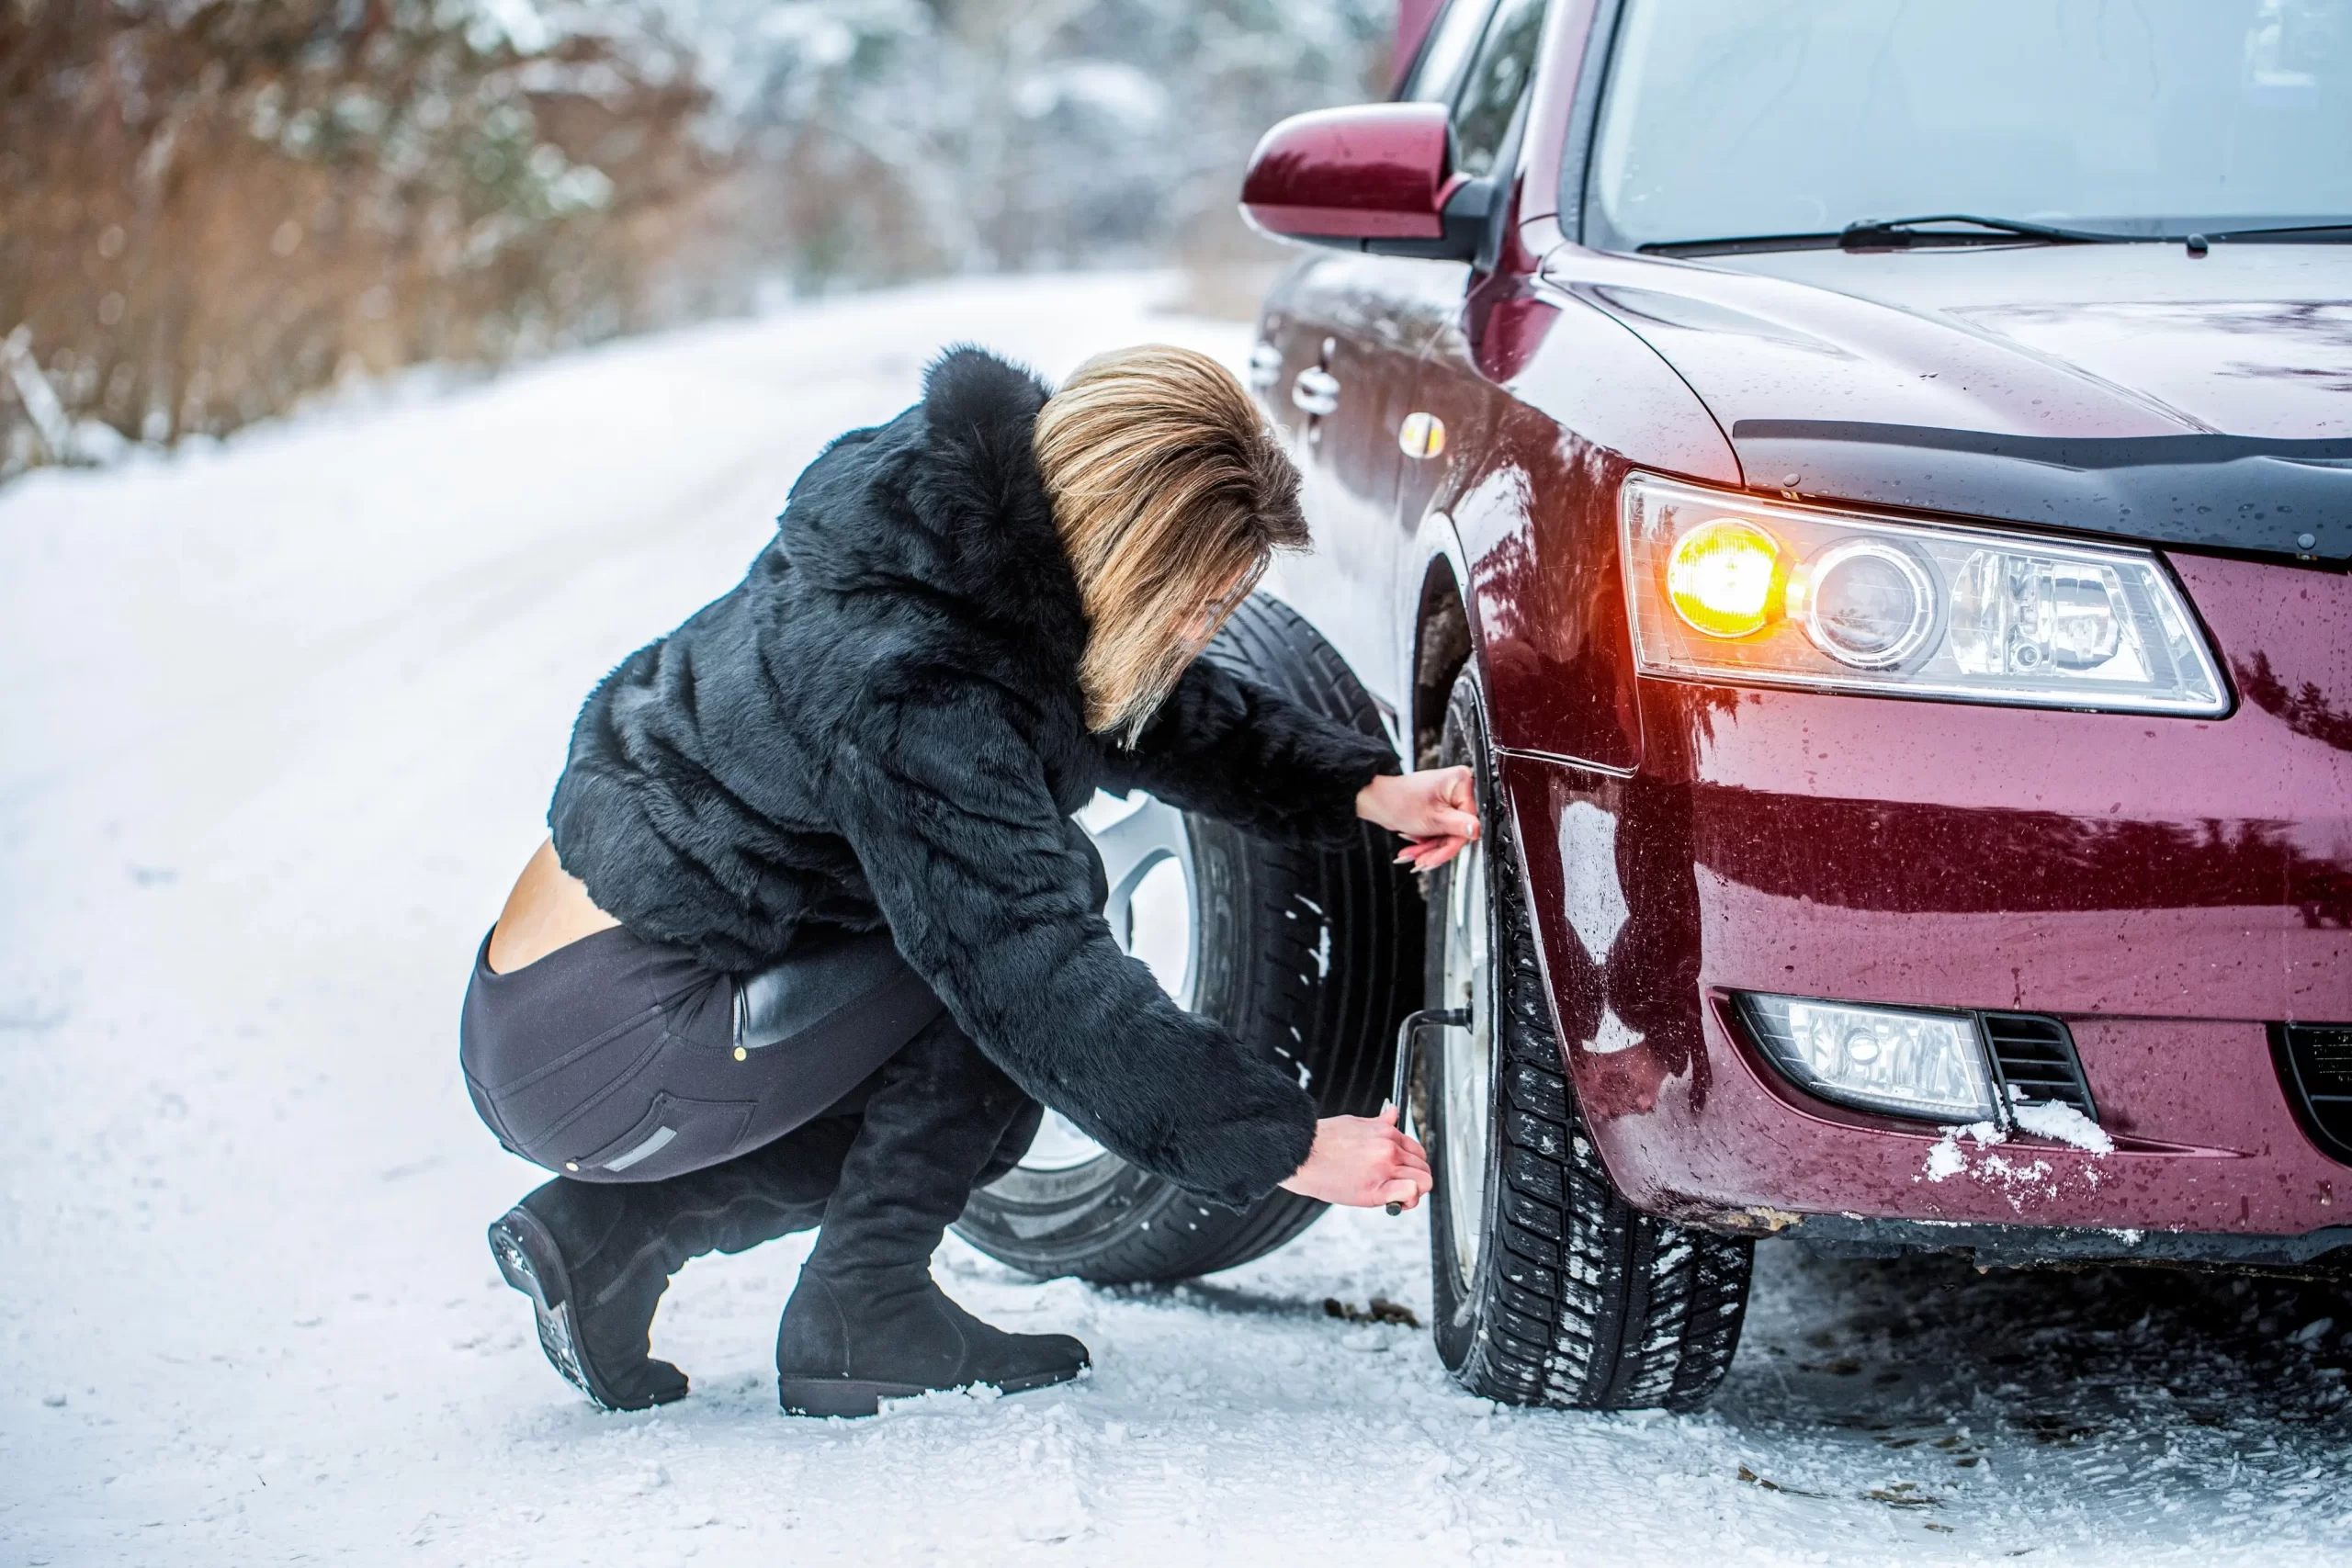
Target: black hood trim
<point x="2236" y="494"/>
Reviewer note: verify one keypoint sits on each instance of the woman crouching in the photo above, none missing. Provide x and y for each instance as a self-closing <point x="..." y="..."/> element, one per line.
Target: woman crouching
<point x="815" y="934"/>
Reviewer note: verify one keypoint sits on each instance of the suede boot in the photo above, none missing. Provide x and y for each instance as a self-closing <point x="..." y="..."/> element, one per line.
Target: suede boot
<point x="866" y="1322"/>
<point x="594" y="1257"/>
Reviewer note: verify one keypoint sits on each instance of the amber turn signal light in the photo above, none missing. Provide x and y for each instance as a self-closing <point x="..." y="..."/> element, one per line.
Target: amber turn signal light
<point x="1724" y="577"/>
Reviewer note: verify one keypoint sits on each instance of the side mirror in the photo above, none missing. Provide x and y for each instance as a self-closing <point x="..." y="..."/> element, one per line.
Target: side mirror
<point x="1375" y="178"/>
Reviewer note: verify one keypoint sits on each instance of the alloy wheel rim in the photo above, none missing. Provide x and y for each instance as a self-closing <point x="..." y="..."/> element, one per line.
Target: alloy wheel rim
<point x="1465" y="1062"/>
<point x="1153" y="911"/>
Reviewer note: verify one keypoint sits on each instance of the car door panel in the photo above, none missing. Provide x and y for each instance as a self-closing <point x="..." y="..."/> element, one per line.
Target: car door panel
<point x="1341" y="394"/>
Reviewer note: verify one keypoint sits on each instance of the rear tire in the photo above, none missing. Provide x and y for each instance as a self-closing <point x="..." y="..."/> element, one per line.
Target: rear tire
<point x="1549" y="1287"/>
<point x="1310" y="957"/>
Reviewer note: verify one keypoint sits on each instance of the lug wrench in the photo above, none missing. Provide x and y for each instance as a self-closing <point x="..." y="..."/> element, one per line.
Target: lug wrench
<point x="1408" y="1038"/>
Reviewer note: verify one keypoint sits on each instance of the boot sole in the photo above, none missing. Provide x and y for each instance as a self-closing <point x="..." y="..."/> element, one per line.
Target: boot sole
<point x="863" y="1396"/>
<point x="527" y="1256"/>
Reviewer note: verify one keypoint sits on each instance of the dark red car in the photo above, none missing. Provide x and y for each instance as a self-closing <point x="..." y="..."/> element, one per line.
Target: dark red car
<point x="1868" y="487"/>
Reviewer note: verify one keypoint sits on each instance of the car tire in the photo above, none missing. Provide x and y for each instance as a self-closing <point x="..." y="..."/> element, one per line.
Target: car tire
<point x="1548" y="1286"/>
<point x="1310" y="957"/>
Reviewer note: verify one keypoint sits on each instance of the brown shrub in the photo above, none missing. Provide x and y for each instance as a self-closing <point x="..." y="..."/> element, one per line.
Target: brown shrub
<point x="210" y="208"/>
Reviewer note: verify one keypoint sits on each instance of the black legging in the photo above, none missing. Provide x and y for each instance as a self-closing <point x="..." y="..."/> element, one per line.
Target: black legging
<point x="618" y="1059"/>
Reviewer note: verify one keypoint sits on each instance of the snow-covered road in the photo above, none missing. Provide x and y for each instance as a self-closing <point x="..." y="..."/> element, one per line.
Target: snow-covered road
<point x="279" y="726"/>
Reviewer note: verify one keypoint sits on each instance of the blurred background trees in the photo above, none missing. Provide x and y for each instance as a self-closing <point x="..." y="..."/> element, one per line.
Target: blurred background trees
<point x="209" y="208"/>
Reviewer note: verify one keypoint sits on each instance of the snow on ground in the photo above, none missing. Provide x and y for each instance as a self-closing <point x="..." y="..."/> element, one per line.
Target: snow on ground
<point x="280" y="724"/>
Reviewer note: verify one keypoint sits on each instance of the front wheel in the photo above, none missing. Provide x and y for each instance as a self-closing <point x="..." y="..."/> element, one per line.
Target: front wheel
<point x="1549" y="1287"/>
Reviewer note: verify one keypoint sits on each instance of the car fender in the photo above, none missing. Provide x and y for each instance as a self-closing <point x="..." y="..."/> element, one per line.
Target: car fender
<point x="1567" y="400"/>
<point x="1597" y="379"/>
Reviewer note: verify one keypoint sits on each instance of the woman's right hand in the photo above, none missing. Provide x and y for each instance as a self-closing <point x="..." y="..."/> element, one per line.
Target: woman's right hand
<point x="1363" y="1162"/>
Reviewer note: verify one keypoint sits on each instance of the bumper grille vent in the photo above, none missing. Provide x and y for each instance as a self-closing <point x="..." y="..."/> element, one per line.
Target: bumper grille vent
<point x="2315" y="1066"/>
<point x="2035" y="1056"/>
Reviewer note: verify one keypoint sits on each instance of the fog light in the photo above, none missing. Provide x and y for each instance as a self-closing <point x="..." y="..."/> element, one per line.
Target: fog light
<point x="1906" y="1063"/>
<point x="1721" y="576"/>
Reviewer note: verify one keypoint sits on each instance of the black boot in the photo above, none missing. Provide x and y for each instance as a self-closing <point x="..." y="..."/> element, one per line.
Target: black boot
<point x="866" y="1322"/>
<point x="596" y="1257"/>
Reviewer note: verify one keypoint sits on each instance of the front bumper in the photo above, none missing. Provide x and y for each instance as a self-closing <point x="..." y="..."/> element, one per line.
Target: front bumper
<point x="2170" y="889"/>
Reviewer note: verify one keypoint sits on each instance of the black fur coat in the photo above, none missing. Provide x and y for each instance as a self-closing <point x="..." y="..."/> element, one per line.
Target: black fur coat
<point x="882" y="723"/>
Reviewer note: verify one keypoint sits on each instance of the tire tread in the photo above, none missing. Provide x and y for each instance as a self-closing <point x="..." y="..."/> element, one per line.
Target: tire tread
<point x="1581" y="1301"/>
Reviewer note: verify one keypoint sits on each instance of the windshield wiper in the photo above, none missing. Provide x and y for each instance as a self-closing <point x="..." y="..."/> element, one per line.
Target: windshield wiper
<point x="1903" y="233"/>
<point x="1884" y="234"/>
<point x="1739" y="244"/>
<point x="1876" y="233"/>
<point x="2307" y="233"/>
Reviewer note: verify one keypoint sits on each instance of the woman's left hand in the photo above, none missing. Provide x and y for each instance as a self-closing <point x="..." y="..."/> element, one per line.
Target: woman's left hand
<point x="1364" y="1162"/>
<point x="1436" y="810"/>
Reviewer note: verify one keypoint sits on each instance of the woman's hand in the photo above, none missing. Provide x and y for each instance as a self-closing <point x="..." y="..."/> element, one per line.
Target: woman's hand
<point x="1363" y="1162"/>
<point x="1436" y="810"/>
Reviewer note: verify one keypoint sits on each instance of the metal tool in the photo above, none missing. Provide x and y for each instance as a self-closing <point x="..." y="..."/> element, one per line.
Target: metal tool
<point x="1408" y="1035"/>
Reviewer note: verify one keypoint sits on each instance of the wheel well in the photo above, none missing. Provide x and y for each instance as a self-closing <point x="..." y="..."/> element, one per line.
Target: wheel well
<point x="1442" y="648"/>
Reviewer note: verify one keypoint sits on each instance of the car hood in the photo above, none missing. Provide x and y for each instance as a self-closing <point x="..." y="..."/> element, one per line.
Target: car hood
<point x="2127" y="390"/>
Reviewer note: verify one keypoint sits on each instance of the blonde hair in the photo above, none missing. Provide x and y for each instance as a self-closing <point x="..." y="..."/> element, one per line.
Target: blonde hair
<point x="1170" y="493"/>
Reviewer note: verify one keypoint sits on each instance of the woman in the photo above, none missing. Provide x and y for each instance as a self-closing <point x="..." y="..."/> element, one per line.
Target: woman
<point x="815" y="934"/>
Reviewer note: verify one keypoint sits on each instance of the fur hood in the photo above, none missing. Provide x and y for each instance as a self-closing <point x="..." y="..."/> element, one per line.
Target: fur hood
<point x="977" y="527"/>
<point x="882" y="725"/>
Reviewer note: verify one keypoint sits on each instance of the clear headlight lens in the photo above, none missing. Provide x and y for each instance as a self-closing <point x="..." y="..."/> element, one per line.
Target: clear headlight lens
<point x="1868" y="604"/>
<point x="1928" y="1064"/>
<point x="1729" y="587"/>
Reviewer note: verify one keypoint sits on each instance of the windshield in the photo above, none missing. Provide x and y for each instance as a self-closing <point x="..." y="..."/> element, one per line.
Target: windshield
<point x="1735" y="118"/>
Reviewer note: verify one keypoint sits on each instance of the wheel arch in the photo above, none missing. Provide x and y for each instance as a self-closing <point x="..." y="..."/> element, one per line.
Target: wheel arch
<point x="1442" y="639"/>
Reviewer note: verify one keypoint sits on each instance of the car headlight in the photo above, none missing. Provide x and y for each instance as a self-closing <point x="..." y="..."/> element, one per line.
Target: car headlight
<point x="1729" y="587"/>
